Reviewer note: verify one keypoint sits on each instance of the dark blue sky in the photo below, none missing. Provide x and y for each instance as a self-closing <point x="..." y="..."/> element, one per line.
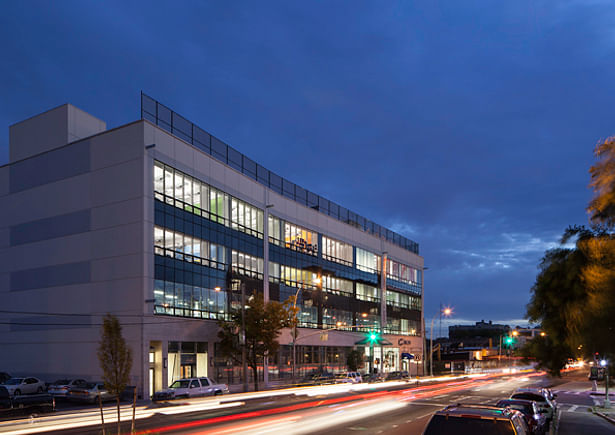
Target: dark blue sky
<point x="466" y="126"/>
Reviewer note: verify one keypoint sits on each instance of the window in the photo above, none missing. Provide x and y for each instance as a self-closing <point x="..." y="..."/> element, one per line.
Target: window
<point x="300" y="239"/>
<point x="332" y="316"/>
<point x="168" y="184"/>
<point x="368" y="261"/>
<point x="217" y="201"/>
<point x="187" y="248"/>
<point x="188" y="193"/>
<point x="367" y="293"/>
<point x="274" y="272"/>
<point x="294" y="277"/>
<point x="246" y="218"/>
<point x="245" y="264"/>
<point x="402" y="272"/>
<point x="274" y="230"/>
<point x="336" y="285"/>
<point x="158" y="180"/>
<point x="337" y="251"/>
<point x="177" y="299"/>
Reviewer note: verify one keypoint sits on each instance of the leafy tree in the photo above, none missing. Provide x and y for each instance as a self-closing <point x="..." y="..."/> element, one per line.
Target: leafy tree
<point x="263" y="324"/>
<point x="574" y="293"/>
<point x="115" y="359"/>
<point x="602" y="207"/>
<point x="549" y="355"/>
<point x="599" y="275"/>
<point x="557" y="301"/>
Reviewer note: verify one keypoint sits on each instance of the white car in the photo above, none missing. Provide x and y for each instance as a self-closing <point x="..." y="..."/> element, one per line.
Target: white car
<point x="61" y="387"/>
<point x="349" y="377"/>
<point x="19" y="386"/>
<point x="191" y="387"/>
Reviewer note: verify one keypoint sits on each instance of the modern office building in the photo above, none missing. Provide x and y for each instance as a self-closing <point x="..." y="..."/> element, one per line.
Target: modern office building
<point x="161" y="224"/>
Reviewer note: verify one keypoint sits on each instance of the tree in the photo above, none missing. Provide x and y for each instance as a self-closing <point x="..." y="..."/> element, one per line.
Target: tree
<point x="115" y="359"/>
<point x="263" y="324"/>
<point x="602" y="207"/>
<point x="574" y="293"/>
<point x="354" y="360"/>
<point x="557" y="302"/>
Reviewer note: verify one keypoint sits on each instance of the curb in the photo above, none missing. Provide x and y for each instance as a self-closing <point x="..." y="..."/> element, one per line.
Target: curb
<point x="605" y="416"/>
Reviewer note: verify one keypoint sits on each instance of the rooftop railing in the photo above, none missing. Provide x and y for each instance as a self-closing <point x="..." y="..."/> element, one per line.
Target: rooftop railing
<point x="179" y="126"/>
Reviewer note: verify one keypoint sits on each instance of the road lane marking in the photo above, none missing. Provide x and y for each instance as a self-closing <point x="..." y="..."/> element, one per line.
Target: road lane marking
<point x="573" y="408"/>
<point x="462" y="398"/>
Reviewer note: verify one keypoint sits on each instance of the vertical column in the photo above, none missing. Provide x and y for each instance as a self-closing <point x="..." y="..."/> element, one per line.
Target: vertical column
<point x="266" y="252"/>
<point x="165" y="363"/>
<point x="423" y="334"/>
<point x="383" y="304"/>
<point x="266" y="274"/>
<point x="383" y="291"/>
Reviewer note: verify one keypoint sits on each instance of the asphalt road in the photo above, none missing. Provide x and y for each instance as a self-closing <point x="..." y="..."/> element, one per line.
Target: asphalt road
<point x="393" y="408"/>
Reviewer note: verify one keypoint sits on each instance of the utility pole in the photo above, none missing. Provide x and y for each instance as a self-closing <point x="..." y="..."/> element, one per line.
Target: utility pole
<point x="440" y="326"/>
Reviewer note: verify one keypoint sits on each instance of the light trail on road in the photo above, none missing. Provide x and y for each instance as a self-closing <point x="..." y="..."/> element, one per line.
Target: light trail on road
<point x="425" y="388"/>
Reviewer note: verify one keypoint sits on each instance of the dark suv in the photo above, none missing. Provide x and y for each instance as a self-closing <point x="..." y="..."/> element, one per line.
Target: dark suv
<point x="467" y="419"/>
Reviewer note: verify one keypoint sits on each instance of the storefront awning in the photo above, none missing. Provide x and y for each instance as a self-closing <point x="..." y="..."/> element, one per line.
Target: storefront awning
<point x="378" y="342"/>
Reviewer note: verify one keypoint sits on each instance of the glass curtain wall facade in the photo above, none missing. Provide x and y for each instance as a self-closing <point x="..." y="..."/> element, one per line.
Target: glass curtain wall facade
<point x="206" y="240"/>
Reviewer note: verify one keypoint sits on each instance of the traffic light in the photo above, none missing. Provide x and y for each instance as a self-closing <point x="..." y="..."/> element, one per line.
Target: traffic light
<point x="508" y="341"/>
<point x="373" y="337"/>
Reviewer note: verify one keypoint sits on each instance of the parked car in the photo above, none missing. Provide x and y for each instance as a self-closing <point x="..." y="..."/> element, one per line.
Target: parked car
<point x="61" y="387"/>
<point x="23" y="404"/>
<point x="372" y="378"/>
<point x="18" y="386"/>
<point x="88" y="393"/>
<point x="4" y="377"/>
<point x="467" y="419"/>
<point x="191" y="387"/>
<point x="349" y="377"/>
<point x="536" y="421"/>
<point x="540" y="396"/>
<point x="397" y="376"/>
<point x="319" y="378"/>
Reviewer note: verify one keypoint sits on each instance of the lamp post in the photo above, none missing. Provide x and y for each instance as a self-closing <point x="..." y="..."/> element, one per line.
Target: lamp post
<point x="607" y="402"/>
<point x="447" y="312"/>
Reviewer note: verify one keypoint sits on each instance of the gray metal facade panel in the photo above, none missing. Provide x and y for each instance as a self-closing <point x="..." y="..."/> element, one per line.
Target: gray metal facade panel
<point x="49" y="228"/>
<point x="49" y="167"/>
<point x="50" y="276"/>
<point x="39" y="323"/>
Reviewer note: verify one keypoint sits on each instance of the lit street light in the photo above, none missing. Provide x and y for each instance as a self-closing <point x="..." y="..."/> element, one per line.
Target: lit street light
<point x="607" y="402"/>
<point x="447" y="311"/>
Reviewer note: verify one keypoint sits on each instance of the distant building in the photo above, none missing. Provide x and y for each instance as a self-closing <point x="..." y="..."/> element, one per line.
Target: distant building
<point x="480" y="332"/>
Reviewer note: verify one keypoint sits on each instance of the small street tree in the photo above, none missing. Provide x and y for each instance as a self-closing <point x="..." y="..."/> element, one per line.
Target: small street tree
<point x="354" y="360"/>
<point x="263" y="325"/>
<point x="115" y="359"/>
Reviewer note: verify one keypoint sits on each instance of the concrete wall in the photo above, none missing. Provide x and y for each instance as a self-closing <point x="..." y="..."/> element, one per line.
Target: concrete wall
<point x="50" y="130"/>
<point x="71" y="245"/>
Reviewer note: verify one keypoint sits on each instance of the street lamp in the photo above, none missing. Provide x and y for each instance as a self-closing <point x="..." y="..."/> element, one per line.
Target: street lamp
<point x="607" y="402"/>
<point x="447" y="311"/>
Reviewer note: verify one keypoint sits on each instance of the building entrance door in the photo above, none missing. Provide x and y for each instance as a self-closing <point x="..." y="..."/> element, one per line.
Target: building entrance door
<point x="188" y="365"/>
